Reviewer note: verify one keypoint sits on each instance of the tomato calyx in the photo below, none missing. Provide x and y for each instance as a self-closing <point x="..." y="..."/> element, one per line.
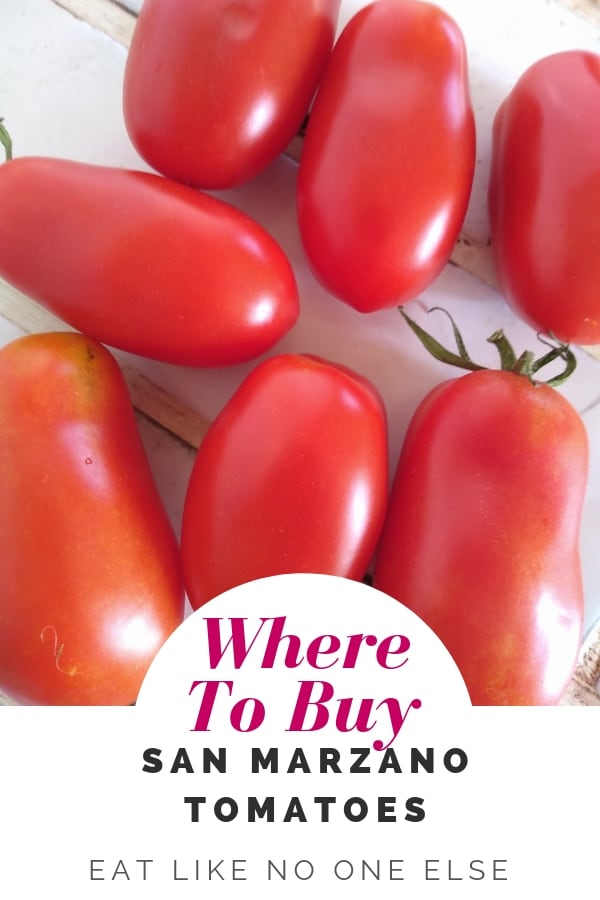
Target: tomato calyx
<point x="5" y="140"/>
<point x="526" y="364"/>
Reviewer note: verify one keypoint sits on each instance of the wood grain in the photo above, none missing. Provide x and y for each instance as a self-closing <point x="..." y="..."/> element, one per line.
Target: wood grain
<point x="103" y="15"/>
<point x="590" y="9"/>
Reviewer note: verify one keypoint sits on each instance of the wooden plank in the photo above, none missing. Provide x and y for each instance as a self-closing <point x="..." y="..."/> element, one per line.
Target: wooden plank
<point x="593" y="351"/>
<point x="590" y="9"/>
<point x="583" y="688"/>
<point x="104" y="15"/>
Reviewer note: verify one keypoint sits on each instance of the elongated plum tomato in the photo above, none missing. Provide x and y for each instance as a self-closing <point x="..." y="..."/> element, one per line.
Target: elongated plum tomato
<point x="91" y="580"/>
<point x="544" y="196"/>
<point x="142" y="263"/>
<point x="387" y="164"/>
<point x="482" y="533"/>
<point x="291" y="477"/>
<point x="214" y="91"/>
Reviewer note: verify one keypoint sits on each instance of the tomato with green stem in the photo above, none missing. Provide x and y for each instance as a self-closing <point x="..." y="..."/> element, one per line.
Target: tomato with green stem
<point x="91" y="582"/>
<point x="482" y="531"/>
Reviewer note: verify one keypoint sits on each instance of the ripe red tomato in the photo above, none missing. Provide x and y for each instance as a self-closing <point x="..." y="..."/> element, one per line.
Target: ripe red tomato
<point x="387" y="164"/>
<point x="291" y="477"/>
<point x="481" y="535"/>
<point x="544" y="196"/>
<point x="213" y="92"/>
<point x="91" y="580"/>
<point x="143" y="263"/>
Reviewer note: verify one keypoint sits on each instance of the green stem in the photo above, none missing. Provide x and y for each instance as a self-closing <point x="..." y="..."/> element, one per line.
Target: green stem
<point x="558" y="351"/>
<point x="6" y="141"/>
<point x="508" y="359"/>
<point x="526" y="364"/>
<point x="437" y="350"/>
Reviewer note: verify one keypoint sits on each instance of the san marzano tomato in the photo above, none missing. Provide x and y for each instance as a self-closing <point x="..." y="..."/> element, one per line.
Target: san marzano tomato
<point x="544" y="196"/>
<point x="91" y="580"/>
<point x="482" y="531"/>
<point x="387" y="164"/>
<point x="291" y="477"/>
<point x="214" y="91"/>
<point x="142" y="263"/>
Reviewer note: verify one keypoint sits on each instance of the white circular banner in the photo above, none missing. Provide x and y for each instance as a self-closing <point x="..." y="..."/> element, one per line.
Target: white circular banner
<point x="304" y="657"/>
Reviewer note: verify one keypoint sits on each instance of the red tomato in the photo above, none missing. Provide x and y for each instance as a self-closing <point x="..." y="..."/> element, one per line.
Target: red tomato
<point x="291" y="477"/>
<point x="544" y="196"/>
<point x="481" y="536"/>
<point x="387" y="164"/>
<point x="91" y="581"/>
<point x="213" y="92"/>
<point x="142" y="263"/>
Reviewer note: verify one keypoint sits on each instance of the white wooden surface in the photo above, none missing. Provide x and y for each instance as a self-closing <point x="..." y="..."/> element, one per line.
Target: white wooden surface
<point x="61" y="68"/>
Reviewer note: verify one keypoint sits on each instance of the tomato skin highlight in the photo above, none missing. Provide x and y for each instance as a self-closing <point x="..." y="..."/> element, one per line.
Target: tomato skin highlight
<point x="214" y="92"/>
<point x="142" y="263"/>
<point x="481" y="536"/>
<point x="91" y="577"/>
<point x="292" y="476"/>
<point x="387" y="165"/>
<point x="544" y="196"/>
